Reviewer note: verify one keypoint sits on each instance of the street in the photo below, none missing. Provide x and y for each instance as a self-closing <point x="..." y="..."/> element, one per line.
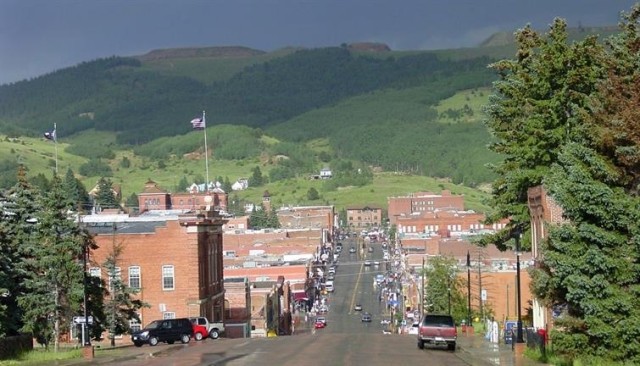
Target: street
<point x="345" y="341"/>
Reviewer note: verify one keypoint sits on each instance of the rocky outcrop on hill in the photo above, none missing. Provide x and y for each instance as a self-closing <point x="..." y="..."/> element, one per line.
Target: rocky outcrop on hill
<point x="195" y="52"/>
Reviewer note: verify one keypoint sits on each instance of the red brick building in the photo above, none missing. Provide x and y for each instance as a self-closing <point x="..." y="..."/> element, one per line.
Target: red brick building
<point x="423" y="202"/>
<point x="544" y="212"/>
<point x="445" y="223"/>
<point x="153" y="197"/>
<point x="174" y="261"/>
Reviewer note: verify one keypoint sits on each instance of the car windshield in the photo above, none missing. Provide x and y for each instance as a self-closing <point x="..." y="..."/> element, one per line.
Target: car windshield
<point x="153" y="325"/>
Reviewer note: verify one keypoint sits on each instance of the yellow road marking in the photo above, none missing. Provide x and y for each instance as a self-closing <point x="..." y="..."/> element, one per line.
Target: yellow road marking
<point x="355" y="290"/>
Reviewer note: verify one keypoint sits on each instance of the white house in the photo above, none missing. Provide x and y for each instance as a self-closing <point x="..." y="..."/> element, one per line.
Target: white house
<point x="325" y="173"/>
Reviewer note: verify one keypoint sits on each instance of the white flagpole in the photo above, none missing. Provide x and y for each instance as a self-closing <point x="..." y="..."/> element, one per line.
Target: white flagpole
<point x="206" y="154"/>
<point x="55" y="144"/>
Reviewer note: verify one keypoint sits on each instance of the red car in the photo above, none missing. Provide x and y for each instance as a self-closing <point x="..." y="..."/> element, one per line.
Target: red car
<point x="320" y="325"/>
<point x="199" y="331"/>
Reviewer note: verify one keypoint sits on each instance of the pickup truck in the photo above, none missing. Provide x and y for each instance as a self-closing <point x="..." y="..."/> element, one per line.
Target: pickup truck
<point x="437" y="330"/>
<point x="214" y="329"/>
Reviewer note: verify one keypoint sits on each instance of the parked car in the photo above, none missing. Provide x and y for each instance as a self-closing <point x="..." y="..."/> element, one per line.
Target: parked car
<point x="199" y="332"/>
<point x="213" y="329"/>
<point x="414" y="329"/>
<point x="320" y="325"/>
<point x="321" y="319"/>
<point x="166" y="330"/>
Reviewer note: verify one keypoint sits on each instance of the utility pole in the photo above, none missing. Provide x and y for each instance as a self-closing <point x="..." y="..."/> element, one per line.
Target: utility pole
<point x="519" y="336"/>
<point x="422" y="300"/>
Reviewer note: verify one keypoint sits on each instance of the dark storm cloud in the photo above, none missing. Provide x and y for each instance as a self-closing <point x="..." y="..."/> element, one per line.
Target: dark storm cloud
<point x="40" y="36"/>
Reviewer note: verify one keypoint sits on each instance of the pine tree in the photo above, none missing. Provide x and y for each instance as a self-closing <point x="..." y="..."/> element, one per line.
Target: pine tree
<point x="533" y="114"/>
<point x="52" y="266"/>
<point x="76" y="192"/>
<point x="105" y="198"/>
<point x="120" y="308"/>
<point x="590" y="262"/>
<point x="17" y="228"/>
<point x="443" y="290"/>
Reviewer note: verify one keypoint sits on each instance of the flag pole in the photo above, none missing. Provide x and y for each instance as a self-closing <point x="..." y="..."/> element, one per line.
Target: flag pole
<point x="206" y="153"/>
<point x="55" y="144"/>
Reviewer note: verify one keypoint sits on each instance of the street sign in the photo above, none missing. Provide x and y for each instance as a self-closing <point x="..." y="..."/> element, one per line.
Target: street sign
<point x="81" y="319"/>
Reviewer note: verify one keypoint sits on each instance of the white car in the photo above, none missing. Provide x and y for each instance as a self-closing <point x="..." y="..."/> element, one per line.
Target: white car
<point x="414" y="328"/>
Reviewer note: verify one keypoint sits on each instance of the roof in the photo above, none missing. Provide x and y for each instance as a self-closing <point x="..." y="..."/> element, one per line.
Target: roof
<point x="108" y="228"/>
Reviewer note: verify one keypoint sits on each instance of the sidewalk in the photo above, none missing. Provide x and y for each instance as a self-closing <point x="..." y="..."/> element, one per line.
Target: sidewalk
<point x="478" y="351"/>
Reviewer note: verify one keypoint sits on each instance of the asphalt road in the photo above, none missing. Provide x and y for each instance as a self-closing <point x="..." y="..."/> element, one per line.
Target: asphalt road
<point x="345" y="341"/>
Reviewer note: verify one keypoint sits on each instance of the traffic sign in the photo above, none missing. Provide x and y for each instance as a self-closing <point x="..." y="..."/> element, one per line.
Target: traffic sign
<point x="81" y="319"/>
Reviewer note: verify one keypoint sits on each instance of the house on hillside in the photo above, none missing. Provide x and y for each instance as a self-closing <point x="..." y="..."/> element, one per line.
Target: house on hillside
<point x="240" y="184"/>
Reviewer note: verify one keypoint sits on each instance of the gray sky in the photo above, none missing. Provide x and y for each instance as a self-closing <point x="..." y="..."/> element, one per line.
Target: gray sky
<point x="41" y="36"/>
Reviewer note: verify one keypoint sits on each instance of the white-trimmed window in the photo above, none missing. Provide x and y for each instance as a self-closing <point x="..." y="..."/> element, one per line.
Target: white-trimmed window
<point x="168" y="315"/>
<point x="135" y="325"/>
<point x="134" y="277"/>
<point x="168" y="278"/>
<point x="95" y="272"/>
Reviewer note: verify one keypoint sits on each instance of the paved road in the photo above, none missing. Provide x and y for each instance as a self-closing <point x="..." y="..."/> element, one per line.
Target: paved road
<point x="346" y="340"/>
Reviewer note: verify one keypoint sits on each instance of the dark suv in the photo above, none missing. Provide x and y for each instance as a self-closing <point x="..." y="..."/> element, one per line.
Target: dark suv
<point x="166" y="330"/>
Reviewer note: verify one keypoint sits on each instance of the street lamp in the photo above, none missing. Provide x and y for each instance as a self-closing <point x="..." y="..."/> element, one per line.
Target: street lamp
<point x="469" y="288"/>
<point x="519" y="337"/>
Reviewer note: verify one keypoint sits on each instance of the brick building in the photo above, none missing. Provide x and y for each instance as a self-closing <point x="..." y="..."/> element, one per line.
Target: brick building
<point x="445" y="223"/>
<point x="307" y="217"/>
<point x="364" y="217"/>
<point x="175" y="261"/>
<point x="544" y="212"/>
<point x="153" y="197"/>
<point x="422" y="202"/>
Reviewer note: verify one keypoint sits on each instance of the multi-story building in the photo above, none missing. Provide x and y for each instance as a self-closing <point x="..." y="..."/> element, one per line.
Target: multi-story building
<point x="364" y="217"/>
<point x="155" y="198"/>
<point x="173" y="260"/>
<point x="422" y="202"/>
<point x="445" y="223"/>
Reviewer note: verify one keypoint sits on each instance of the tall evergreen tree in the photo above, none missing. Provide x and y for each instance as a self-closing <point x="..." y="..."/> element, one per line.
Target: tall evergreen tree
<point x="533" y="114"/>
<point x="17" y="228"/>
<point x="591" y="262"/>
<point x="105" y="198"/>
<point x="77" y="192"/>
<point x="52" y="266"/>
<point x="443" y="290"/>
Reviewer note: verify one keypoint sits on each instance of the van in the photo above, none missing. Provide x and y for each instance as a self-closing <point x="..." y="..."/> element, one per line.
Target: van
<point x="165" y="330"/>
<point x="329" y="286"/>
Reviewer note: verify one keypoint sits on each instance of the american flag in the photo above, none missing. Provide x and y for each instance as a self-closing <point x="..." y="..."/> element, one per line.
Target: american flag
<point x="198" y="123"/>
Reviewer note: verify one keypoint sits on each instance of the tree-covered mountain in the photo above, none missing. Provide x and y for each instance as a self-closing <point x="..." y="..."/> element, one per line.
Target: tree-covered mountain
<point x="370" y="104"/>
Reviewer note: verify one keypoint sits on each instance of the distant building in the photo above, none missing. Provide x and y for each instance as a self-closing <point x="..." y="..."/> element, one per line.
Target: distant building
<point x="240" y="184"/>
<point x="155" y="198"/>
<point x="325" y="173"/>
<point x="362" y="217"/>
<point x="422" y="202"/>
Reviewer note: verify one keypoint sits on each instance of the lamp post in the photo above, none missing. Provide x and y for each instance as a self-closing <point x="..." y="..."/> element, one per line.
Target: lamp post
<point x="469" y="288"/>
<point x="519" y="337"/>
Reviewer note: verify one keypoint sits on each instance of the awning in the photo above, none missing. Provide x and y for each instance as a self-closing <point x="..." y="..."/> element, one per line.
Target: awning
<point x="300" y="296"/>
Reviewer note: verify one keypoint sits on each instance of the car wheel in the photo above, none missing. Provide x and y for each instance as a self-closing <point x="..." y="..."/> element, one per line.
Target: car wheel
<point x="198" y="336"/>
<point x="137" y="344"/>
<point x="421" y="344"/>
<point x="213" y="334"/>
<point x="153" y="341"/>
<point x="451" y="346"/>
<point x="185" y="338"/>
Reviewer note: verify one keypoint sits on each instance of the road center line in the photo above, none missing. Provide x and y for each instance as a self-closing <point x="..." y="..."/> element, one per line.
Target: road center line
<point x="355" y="290"/>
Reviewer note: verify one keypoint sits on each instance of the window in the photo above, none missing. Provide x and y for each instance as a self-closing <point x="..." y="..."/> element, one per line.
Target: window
<point x="168" y="278"/>
<point x="135" y="325"/>
<point x="95" y="272"/>
<point x="134" y="277"/>
<point x="168" y="315"/>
